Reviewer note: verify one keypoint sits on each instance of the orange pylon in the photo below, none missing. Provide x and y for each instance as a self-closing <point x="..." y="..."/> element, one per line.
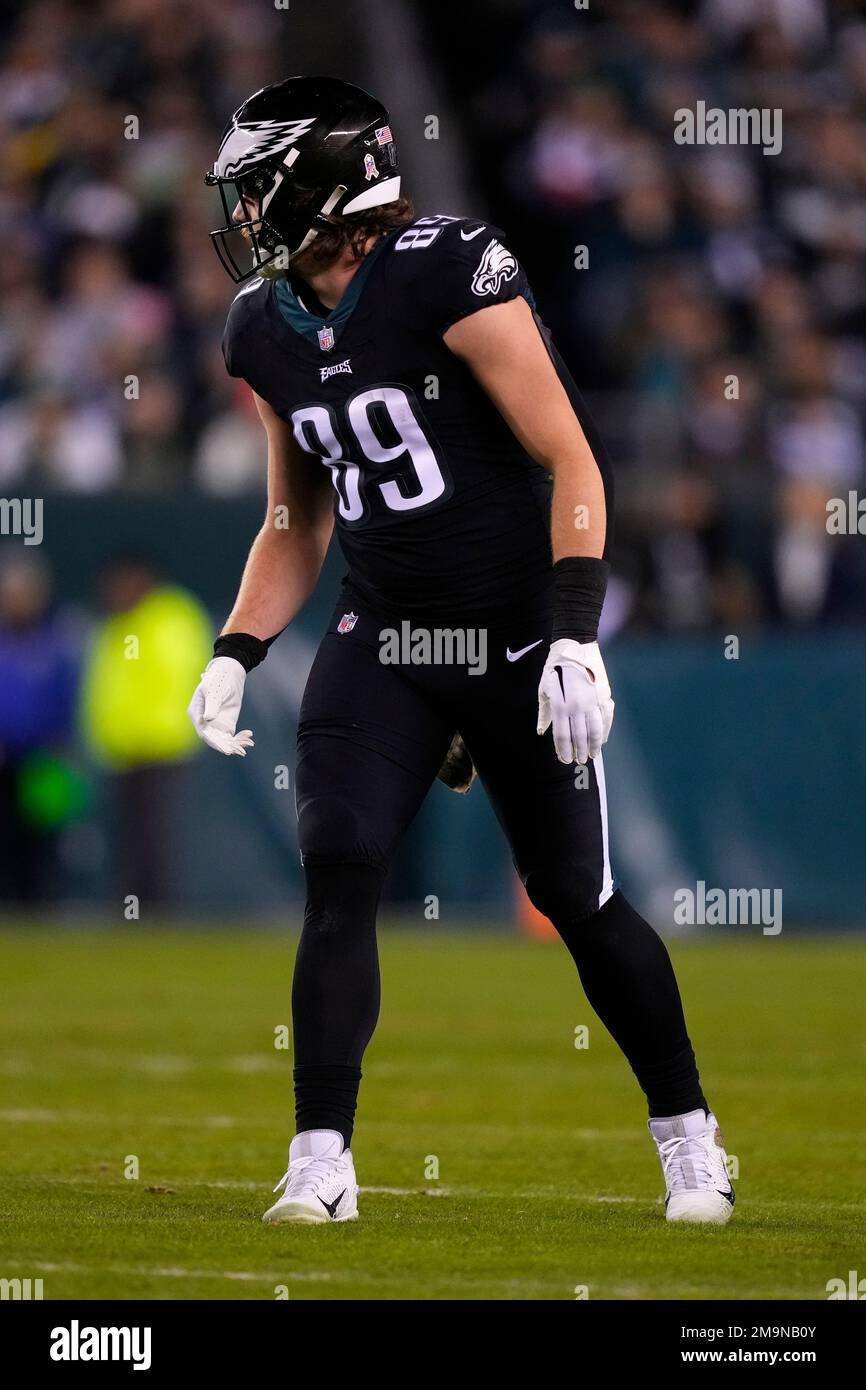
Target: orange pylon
<point x="530" y="920"/>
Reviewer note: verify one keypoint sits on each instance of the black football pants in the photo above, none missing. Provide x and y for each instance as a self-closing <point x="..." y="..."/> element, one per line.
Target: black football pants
<point x="371" y="738"/>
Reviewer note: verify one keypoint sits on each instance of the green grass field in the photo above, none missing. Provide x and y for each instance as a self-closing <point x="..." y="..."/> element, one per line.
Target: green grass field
<point x="161" y="1045"/>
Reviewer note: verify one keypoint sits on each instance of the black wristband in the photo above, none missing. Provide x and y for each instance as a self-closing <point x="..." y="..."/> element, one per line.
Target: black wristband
<point x="249" y="651"/>
<point x="579" y="585"/>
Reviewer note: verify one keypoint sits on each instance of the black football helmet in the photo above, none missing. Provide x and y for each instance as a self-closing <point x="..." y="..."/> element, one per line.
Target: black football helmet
<point x="291" y="155"/>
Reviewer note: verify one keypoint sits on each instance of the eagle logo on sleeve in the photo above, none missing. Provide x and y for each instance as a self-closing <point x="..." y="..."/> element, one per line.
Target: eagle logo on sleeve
<point x="495" y="267"/>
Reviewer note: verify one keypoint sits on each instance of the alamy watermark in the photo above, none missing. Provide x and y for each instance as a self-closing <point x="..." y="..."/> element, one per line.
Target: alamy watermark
<point x="22" y="516"/>
<point x="437" y="646"/>
<point x="77" y="1343"/>
<point x="20" y="1290"/>
<point x="853" y="1288"/>
<point x="720" y="907"/>
<point x="846" y="516"/>
<point x="736" y="126"/>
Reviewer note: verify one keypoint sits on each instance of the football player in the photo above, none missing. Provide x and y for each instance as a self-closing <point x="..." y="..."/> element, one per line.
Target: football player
<point x="471" y="498"/>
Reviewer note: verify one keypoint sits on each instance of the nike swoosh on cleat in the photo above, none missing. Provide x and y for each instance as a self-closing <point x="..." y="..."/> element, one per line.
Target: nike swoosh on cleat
<point x="331" y="1207"/>
<point x="515" y="656"/>
<point x="729" y="1196"/>
<point x="472" y="235"/>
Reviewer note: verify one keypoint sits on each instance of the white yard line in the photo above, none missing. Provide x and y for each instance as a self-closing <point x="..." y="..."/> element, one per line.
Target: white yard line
<point x="109" y="1179"/>
<point x="179" y="1272"/>
<point x="51" y="1116"/>
<point x="276" y="1277"/>
<point x="422" y="1192"/>
<point x="90" y="1117"/>
<point x="230" y="1185"/>
<point x="154" y="1063"/>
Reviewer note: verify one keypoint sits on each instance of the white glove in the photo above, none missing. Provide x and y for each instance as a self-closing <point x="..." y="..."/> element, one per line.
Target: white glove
<point x="216" y="704"/>
<point x="574" y="696"/>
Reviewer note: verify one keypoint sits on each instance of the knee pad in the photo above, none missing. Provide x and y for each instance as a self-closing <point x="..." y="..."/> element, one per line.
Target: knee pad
<point x="330" y="832"/>
<point x="565" y="893"/>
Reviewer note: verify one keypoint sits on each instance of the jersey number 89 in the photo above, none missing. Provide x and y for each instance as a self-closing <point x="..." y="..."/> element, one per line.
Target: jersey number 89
<point x="315" y="429"/>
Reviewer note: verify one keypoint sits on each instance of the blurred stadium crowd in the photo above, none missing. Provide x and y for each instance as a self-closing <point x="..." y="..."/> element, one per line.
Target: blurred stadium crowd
<point x="107" y="271"/>
<point x="717" y="327"/>
<point x="703" y="264"/>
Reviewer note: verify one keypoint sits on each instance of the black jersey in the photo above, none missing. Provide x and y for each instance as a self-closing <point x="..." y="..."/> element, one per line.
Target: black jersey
<point x="437" y="506"/>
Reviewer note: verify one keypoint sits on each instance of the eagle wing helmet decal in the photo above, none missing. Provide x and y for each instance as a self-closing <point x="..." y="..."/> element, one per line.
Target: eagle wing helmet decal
<point x="247" y="143"/>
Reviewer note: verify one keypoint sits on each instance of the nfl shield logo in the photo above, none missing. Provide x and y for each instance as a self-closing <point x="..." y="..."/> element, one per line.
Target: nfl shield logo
<point x="326" y="338"/>
<point x="347" y="622"/>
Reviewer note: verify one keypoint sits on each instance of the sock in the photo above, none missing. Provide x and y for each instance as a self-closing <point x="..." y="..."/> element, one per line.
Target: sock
<point x="316" y="1143"/>
<point x="678" y="1126"/>
<point x="335" y="993"/>
<point x="626" y="971"/>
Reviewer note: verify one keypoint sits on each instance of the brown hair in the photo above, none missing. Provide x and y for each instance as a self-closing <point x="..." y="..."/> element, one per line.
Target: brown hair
<point x="354" y="231"/>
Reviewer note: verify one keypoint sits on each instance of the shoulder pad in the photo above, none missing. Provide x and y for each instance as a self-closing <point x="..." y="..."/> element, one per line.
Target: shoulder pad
<point x="247" y="303"/>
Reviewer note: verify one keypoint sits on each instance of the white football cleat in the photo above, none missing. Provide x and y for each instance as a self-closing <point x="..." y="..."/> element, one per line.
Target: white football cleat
<point x="319" y="1184"/>
<point x="694" y="1162"/>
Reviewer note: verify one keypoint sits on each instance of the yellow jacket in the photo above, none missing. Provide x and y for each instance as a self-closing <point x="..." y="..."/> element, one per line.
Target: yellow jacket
<point x="139" y="677"/>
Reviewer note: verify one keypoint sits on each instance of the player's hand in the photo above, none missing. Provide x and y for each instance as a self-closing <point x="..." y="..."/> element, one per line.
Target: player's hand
<point x="574" y="696"/>
<point x="216" y="704"/>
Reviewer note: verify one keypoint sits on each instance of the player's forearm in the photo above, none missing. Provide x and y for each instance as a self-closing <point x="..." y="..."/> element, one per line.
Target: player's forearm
<point x="578" y="530"/>
<point x="578" y="518"/>
<point x="280" y="574"/>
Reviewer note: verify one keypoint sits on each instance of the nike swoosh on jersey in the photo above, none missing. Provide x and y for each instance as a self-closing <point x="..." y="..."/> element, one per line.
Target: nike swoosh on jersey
<point x="472" y="235"/>
<point x="515" y="656"/>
